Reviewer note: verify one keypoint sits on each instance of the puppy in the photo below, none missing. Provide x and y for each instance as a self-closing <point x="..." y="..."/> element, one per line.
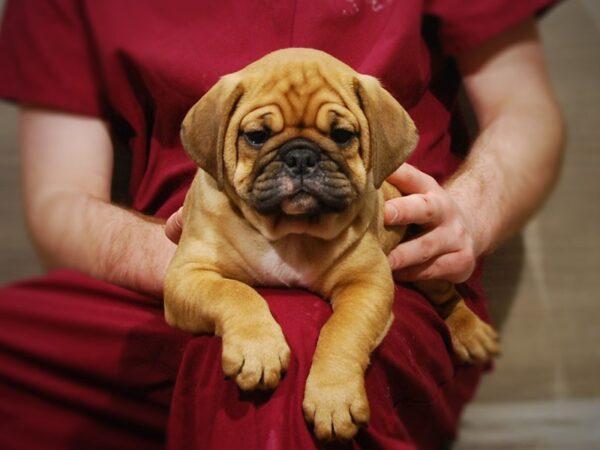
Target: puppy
<point x="294" y="150"/>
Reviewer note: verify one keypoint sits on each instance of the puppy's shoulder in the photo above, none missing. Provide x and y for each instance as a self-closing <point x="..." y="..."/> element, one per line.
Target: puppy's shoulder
<point x="204" y="198"/>
<point x="213" y="230"/>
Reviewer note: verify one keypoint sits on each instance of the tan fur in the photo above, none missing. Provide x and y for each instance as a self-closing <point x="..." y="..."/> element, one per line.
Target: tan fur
<point x="227" y="246"/>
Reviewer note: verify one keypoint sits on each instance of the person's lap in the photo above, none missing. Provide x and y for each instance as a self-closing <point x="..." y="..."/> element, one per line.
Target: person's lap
<point x="84" y="364"/>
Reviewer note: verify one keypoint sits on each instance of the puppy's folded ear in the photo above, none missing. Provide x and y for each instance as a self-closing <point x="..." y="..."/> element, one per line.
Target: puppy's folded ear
<point x="392" y="134"/>
<point x="204" y="127"/>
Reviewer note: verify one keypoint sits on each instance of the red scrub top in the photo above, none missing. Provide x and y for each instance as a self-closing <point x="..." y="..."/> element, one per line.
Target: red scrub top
<point x="85" y="364"/>
<point x="140" y="65"/>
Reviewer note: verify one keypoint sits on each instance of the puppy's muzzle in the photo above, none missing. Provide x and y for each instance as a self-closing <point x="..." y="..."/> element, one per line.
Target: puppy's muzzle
<point x="302" y="180"/>
<point x="300" y="157"/>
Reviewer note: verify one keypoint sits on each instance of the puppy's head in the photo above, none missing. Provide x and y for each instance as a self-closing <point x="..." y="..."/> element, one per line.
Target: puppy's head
<point x="297" y="139"/>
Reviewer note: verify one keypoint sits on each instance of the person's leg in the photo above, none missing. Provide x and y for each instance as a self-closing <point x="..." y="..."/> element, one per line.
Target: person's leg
<point x="87" y="365"/>
<point x="84" y="364"/>
<point x="415" y="389"/>
<point x="415" y="368"/>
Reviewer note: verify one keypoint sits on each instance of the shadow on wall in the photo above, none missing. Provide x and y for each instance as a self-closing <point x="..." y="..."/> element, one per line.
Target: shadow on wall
<point x="502" y="276"/>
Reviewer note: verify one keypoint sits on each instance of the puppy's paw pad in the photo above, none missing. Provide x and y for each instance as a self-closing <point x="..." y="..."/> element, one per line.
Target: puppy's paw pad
<point x="255" y="357"/>
<point x="337" y="410"/>
<point x="474" y="341"/>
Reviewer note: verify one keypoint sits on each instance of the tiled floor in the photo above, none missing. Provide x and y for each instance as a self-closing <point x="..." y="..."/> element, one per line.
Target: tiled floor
<point x="544" y="286"/>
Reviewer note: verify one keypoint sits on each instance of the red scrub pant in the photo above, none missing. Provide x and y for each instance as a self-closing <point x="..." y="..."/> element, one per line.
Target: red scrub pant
<point x="88" y="365"/>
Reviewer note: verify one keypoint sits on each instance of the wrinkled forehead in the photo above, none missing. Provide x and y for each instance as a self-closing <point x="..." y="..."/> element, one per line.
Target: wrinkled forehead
<point x="297" y="95"/>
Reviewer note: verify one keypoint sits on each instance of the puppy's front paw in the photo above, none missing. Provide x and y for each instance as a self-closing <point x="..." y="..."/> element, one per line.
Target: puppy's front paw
<point x="336" y="405"/>
<point x="473" y="339"/>
<point x="255" y="354"/>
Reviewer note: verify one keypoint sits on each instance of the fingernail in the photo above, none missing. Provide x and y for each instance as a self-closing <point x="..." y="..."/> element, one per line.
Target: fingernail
<point x="390" y="213"/>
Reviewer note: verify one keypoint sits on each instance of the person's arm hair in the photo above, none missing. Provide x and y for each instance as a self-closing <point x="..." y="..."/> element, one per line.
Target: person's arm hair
<point x="516" y="158"/>
<point x="507" y="175"/>
<point x="67" y="165"/>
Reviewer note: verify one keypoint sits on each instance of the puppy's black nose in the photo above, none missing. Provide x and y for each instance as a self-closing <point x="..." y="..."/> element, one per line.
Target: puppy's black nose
<point x="300" y="156"/>
<point x="301" y="160"/>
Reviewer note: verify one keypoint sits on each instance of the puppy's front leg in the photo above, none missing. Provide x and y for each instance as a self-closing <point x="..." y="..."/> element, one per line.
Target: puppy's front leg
<point x="201" y="301"/>
<point x="335" y="399"/>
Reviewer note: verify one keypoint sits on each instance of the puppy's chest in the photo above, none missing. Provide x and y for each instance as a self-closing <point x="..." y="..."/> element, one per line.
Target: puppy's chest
<point x="285" y="267"/>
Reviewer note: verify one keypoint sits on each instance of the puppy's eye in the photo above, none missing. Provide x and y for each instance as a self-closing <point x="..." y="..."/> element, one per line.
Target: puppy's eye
<point x="258" y="137"/>
<point x="341" y="136"/>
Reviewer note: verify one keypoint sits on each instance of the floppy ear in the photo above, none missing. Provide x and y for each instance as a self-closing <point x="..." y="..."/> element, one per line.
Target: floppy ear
<point x="392" y="133"/>
<point x="204" y="128"/>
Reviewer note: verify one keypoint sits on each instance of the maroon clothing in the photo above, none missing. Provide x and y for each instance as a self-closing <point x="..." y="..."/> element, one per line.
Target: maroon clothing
<point x="88" y="365"/>
<point x="84" y="364"/>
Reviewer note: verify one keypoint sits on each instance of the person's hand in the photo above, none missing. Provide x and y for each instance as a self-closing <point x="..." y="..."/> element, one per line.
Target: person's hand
<point x="173" y="226"/>
<point x="446" y="248"/>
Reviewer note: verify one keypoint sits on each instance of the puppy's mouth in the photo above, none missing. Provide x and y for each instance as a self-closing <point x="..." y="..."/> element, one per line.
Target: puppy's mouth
<point x="301" y="181"/>
<point x="300" y="204"/>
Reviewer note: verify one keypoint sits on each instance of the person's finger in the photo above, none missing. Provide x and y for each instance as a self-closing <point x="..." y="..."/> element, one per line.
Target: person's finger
<point x="420" y="209"/>
<point x="173" y="227"/>
<point x="421" y="249"/>
<point x="410" y="180"/>
<point x="454" y="267"/>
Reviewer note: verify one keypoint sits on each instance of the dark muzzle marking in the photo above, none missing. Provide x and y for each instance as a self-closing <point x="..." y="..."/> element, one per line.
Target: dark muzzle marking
<point x="304" y="179"/>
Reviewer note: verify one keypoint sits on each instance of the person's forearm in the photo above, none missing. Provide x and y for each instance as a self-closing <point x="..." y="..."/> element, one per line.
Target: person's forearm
<point x="507" y="175"/>
<point x="510" y="170"/>
<point x="79" y="232"/>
